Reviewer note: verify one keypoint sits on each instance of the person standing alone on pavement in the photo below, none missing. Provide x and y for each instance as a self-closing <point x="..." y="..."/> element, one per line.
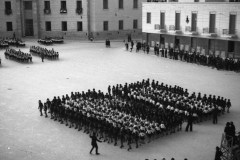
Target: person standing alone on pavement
<point x="42" y="56"/>
<point x="94" y="143"/>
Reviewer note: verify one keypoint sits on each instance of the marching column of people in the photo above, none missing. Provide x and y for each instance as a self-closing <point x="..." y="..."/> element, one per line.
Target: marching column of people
<point x="44" y="52"/>
<point x="210" y="59"/>
<point x="51" y="40"/>
<point x="6" y="42"/>
<point x="133" y="113"/>
<point x="18" y="55"/>
<point x="3" y="44"/>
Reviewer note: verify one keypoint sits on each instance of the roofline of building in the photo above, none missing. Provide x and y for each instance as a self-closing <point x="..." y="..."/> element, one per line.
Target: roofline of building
<point x="219" y="3"/>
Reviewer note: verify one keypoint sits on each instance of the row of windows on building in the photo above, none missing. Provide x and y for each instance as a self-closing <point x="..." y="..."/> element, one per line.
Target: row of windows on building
<point x="63" y="8"/>
<point x="120" y="4"/>
<point x="8" y="6"/>
<point x="47" y="8"/>
<point x="120" y="25"/>
<point x="48" y="25"/>
<point x="212" y="22"/>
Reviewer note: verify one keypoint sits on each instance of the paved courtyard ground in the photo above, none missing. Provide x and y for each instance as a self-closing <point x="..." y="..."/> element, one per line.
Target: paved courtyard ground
<point x="24" y="135"/>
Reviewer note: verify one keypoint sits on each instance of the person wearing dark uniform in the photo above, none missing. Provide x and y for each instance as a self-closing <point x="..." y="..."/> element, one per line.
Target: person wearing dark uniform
<point x="190" y="122"/>
<point x="215" y="115"/>
<point x="155" y="50"/>
<point x="129" y="140"/>
<point x="147" y="49"/>
<point x="42" y="56"/>
<point x="126" y="45"/>
<point x="228" y="105"/>
<point x="122" y="136"/>
<point x="165" y="52"/>
<point x="109" y="90"/>
<point x="132" y="44"/>
<point x="45" y="109"/>
<point x="40" y="107"/>
<point x="94" y="143"/>
<point x="218" y="154"/>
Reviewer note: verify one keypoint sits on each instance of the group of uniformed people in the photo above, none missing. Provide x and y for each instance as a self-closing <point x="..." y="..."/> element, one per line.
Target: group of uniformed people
<point x="198" y="58"/>
<point x="57" y="39"/>
<point x="18" y="55"/>
<point x="14" y="42"/>
<point x="44" y="52"/>
<point x="45" y="41"/>
<point x="51" y="40"/>
<point x="3" y="44"/>
<point x="210" y="60"/>
<point x="132" y="112"/>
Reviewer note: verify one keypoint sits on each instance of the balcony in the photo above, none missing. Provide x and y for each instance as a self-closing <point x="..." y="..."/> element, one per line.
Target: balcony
<point x="8" y="11"/>
<point x="156" y="0"/>
<point x="172" y="29"/>
<point x="162" y="29"/>
<point x="191" y="31"/>
<point x="226" y="33"/>
<point x="162" y="0"/>
<point x="79" y="11"/>
<point x="47" y="11"/>
<point x="157" y="27"/>
<point x="63" y="10"/>
<point x="212" y="32"/>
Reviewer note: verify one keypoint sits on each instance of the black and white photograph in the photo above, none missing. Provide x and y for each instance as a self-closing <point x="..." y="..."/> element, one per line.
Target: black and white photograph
<point x="119" y="79"/>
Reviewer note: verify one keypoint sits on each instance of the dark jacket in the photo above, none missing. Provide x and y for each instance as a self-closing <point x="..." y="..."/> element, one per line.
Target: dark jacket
<point x="94" y="140"/>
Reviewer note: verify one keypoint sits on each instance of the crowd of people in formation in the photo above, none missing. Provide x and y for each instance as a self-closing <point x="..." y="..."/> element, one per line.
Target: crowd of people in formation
<point x="44" y="52"/>
<point x="6" y="42"/>
<point x="135" y="112"/>
<point x="46" y="41"/>
<point x="210" y="60"/>
<point x="156" y="0"/>
<point x="166" y="159"/>
<point x="57" y="39"/>
<point x="18" y="55"/>
<point x="51" y="40"/>
<point x="14" y="42"/>
<point x="3" y="44"/>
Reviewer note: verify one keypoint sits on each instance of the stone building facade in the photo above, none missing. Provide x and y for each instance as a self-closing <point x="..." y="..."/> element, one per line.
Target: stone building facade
<point x="75" y="19"/>
<point x="208" y="27"/>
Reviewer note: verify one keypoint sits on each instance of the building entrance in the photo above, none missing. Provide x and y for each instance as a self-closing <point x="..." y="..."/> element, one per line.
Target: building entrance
<point x="29" y="27"/>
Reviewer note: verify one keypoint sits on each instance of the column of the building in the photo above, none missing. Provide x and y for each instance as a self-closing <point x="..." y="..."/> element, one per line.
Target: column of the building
<point x="38" y="19"/>
<point x="19" y="18"/>
<point x="35" y="16"/>
<point x="89" y="17"/>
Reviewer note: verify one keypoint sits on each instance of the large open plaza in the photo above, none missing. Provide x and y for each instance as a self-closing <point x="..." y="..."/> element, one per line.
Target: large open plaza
<point x="83" y="65"/>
